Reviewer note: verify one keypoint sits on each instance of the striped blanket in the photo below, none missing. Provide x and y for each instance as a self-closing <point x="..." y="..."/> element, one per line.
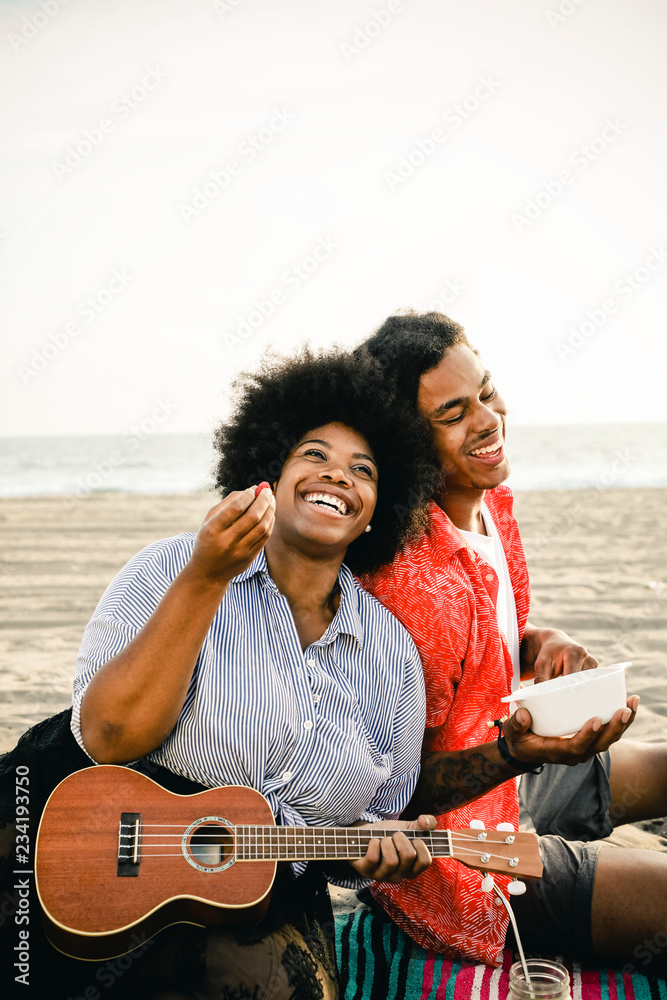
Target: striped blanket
<point x="377" y="961"/>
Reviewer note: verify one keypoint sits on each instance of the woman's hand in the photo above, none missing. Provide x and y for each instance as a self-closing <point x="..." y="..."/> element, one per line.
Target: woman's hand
<point x="391" y="859"/>
<point x="232" y="534"/>
<point x="133" y="702"/>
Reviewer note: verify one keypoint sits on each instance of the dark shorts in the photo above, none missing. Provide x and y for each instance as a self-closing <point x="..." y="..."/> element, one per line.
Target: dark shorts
<point x="554" y="914"/>
<point x="571" y="802"/>
<point x="569" y="808"/>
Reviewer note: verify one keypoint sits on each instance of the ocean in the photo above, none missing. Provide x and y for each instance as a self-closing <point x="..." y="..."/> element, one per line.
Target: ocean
<point x="542" y="458"/>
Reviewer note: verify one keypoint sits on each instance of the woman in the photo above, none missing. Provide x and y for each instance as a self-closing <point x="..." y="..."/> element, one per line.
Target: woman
<point x="250" y="655"/>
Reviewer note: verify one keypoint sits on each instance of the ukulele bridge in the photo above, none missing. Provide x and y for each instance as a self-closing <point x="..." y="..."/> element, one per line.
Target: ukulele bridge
<point x="129" y="845"/>
<point x="208" y="844"/>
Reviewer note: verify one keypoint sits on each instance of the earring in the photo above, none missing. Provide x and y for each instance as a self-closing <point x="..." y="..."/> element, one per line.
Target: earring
<point x="367" y="528"/>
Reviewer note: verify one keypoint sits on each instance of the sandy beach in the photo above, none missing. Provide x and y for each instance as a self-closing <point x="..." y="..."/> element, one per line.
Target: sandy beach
<point x="598" y="562"/>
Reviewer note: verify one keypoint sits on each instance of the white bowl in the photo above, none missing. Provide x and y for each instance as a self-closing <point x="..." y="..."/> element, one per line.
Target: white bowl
<point x="561" y="706"/>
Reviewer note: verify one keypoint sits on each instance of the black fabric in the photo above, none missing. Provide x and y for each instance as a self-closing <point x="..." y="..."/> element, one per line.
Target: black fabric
<point x="49" y="752"/>
<point x="299" y="906"/>
<point x="289" y="955"/>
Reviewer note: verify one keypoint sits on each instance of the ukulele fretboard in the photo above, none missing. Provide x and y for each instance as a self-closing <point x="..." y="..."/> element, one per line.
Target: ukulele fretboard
<point x="307" y="843"/>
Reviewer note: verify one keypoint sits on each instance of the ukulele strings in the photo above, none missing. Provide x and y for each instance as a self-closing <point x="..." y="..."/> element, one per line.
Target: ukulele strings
<point x="285" y="832"/>
<point x="273" y="839"/>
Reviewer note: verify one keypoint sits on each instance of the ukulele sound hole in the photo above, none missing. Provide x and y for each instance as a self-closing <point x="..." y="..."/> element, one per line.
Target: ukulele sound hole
<point x="208" y="844"/>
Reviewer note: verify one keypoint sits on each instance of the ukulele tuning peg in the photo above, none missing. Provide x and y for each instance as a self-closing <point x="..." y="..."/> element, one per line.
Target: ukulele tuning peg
<point x="487" y="883"/>
<point x="498" y="902"/>
<point x="516" y="888"/>
<point x="477" y="824"/>
<point x="505" y="827"/>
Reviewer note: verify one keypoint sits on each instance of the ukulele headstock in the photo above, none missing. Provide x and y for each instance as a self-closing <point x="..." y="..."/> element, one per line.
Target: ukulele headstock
<point x="503" y="852"/>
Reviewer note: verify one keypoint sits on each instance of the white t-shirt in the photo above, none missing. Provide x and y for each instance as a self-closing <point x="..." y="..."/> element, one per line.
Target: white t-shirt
<point x="490" y="548"/>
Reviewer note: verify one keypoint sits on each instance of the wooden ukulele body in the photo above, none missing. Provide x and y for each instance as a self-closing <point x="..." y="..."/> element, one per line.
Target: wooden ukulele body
<point x="119" y="858"/>
<point x="91" y="912"/>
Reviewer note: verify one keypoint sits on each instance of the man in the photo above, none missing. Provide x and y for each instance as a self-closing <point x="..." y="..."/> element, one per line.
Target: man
<point x="462" y="591"/>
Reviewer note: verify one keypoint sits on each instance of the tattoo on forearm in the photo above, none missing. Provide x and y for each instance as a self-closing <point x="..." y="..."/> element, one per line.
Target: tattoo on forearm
<point x="448" y="781"/>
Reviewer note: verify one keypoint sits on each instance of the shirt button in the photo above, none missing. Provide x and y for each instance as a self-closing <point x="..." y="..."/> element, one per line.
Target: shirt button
<point x="311" y="662"/>
<point x="308" y="724"/>
<point x="489" y="577"/>
<point x="299" y="672"/>
<point x="316" y="698"/>
<point x="286" y="775"/>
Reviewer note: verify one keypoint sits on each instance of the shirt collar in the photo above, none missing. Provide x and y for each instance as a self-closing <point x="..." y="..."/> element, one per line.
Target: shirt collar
<point x="448" y="537"/>
<point x="258" y="565"/>
<point x="443" y="531"/>
<point x="346" y="619"/>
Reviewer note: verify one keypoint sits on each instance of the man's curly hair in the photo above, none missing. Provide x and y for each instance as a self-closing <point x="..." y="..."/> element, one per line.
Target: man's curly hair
<point x="409" y="344"/>
<point x="287" y="397"/>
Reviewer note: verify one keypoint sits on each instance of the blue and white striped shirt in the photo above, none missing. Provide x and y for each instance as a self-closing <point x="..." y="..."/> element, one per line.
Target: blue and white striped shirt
<point x="329" y="735"/>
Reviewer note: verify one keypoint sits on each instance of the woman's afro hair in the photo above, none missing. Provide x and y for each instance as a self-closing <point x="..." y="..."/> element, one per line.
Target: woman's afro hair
<point x="285" y="398"/>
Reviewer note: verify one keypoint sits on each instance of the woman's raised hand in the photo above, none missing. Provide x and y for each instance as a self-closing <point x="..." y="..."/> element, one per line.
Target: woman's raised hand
<point x="232" y="534"/>
<point x="133" y="701"/>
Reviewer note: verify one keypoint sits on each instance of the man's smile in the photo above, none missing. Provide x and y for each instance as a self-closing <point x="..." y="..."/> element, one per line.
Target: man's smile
<point x="490" y="454"/>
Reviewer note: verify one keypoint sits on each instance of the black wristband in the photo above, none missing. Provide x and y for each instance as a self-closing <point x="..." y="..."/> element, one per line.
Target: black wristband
<point x="504" y="752"/>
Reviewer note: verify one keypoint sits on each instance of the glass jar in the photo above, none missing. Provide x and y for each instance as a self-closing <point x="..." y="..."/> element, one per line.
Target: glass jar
<point x="548" y="981"/>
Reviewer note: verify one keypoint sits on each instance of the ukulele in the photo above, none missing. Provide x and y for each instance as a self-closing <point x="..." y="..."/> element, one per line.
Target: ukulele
<point x="118" y="858"/>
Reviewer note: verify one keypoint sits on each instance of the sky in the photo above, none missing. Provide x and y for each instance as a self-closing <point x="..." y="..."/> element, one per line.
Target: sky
<point x="186" y="184"/>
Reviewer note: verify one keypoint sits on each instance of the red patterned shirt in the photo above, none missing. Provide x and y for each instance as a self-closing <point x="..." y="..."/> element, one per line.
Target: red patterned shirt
<point x="445" y="596"/>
